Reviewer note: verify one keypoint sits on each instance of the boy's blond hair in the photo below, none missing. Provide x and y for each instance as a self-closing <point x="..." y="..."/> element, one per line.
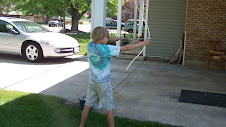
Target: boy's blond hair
<point x="99" y="33"/>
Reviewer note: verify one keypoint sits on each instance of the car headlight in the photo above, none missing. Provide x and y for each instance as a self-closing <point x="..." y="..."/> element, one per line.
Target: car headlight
<point x="57" y="50"/>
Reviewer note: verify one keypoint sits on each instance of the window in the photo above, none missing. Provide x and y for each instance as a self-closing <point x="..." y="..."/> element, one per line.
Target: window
<point x="130" y="23"/>
<point x="6" y="27"/>
<point x="3" y="27"/>
<point x="30" y="27"/>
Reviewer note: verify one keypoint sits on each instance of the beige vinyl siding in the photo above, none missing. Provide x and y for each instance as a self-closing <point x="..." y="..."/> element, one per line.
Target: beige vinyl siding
<point x="166" y="22"/>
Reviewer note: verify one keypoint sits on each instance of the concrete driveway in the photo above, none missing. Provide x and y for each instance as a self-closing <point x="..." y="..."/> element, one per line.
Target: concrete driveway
<point x="149" y="90"/>
<point x="18" y="74"/>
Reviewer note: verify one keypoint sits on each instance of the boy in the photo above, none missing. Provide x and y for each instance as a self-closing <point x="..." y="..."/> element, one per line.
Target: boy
<point x="100" y="87"/>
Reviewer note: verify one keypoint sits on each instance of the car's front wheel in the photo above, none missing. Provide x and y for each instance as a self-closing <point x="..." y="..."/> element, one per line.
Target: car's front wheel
<point x="33" y="52"/>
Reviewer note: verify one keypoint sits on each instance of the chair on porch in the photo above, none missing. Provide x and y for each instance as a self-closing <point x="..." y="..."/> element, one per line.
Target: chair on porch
<point x="215" y="54"/>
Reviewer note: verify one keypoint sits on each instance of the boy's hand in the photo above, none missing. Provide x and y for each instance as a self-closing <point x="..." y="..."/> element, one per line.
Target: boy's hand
<point x="146" y="42"/>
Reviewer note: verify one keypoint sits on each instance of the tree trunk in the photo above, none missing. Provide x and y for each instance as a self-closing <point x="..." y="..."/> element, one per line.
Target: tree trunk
<point x="47" y="19"/>
<point x="1" y="9"/>
<point x="74" y="26"/>
<point x="75" y="18"/>
<point x="74" y="12"/>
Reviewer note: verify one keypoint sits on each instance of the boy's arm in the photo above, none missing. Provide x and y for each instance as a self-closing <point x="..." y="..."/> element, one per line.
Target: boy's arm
<point x="135" y="45"/>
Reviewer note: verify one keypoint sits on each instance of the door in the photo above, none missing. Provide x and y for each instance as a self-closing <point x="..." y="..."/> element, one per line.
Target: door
<point x="9" y="41"/>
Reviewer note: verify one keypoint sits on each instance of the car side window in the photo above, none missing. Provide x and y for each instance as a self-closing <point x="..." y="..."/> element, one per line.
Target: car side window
<point x="6" y="27"/>
<point x="130" y="23"/>
<point x="3" y="27"/>
<point x="9" y="26"/>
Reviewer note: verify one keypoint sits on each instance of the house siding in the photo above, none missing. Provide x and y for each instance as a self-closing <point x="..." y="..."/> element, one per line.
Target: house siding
<point x="166" y="23"/>
<point x="206" y="20"/>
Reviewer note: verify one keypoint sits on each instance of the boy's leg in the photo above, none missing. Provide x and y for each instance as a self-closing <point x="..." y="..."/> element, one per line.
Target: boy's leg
<point x="110" y="117"/>
<point x="105" y="91"/>
<point x="85" y="114"/>
<point x="91" y="99"/>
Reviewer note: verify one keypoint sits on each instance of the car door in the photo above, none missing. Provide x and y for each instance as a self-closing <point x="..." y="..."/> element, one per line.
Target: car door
<point x="9" y="42"/>
<point x="114" y="24"/>
<point x="108" y="24"/>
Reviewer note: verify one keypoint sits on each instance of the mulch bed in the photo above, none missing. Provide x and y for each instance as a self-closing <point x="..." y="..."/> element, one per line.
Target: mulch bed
<point x="72" y="31"/>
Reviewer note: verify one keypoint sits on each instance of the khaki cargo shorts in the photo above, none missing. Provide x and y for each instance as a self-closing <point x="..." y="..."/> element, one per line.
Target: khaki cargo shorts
<point x="100" y="91"/>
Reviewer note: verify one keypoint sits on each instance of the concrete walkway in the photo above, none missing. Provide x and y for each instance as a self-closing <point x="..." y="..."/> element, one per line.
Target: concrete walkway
<point x="149" y="90"/>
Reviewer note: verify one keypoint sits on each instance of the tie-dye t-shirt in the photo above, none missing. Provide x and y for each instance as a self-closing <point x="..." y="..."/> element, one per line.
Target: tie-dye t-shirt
<point x="99" y="57"/>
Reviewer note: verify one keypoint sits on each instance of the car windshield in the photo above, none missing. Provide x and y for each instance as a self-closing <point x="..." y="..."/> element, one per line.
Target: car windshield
<point x="30" y="27"/>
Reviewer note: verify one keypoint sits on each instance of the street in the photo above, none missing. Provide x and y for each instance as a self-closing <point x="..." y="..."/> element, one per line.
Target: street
<point x="84" y="28"/>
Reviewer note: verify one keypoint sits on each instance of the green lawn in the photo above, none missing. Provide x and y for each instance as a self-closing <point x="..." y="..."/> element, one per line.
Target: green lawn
<point x="18" y="109"/>
<point x="83" y="40"/>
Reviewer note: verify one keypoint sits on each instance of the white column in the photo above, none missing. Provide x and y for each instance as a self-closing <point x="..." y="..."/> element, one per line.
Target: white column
<point x="98" y="13"/>
<point x="135" y="22"/>
<point x="146" y="29"/>
<point x="119" y="20"/>
<point x="141" y="17"/>
<point x="98" y="18"/>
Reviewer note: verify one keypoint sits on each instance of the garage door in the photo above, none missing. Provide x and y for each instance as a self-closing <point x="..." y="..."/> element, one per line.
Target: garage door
<point x="166" y="22"/>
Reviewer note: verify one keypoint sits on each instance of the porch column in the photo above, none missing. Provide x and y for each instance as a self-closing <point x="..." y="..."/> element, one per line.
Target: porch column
<point x="135" y="21"/>
<point x="146" y="29"/>
<point x="98" y="13"/>
<point x="141" y="17"/>
<point x="119" y="20"/>
<point x="98" y="18"/>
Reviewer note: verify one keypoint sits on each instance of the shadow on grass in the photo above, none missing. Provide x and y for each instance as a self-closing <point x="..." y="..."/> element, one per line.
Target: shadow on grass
<point x="19" y="109"/>
<point x="35" y="110"/>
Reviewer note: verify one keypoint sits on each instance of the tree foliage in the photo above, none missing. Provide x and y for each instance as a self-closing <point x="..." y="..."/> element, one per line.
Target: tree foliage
<point x="128" y="9"/>
<point x="75" y="8"/>
<point x="112" y="8"/>
<point x="40" y="7"/>
<point x="5" y="5"/>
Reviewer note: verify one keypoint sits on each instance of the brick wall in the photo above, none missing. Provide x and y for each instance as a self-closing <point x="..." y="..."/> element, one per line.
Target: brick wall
<point x="206" y="20"/>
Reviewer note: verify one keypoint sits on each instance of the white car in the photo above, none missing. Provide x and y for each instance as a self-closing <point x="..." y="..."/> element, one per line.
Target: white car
<point x="33" y="41"/>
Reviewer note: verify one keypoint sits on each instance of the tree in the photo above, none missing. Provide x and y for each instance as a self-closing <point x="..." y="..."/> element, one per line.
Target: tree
<point x="112" y="8"/>
<point x="128" y="9"/>
<point x="5" y="5"/>
<point x="75" y="8"/>
<point x="46" y="8"/>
